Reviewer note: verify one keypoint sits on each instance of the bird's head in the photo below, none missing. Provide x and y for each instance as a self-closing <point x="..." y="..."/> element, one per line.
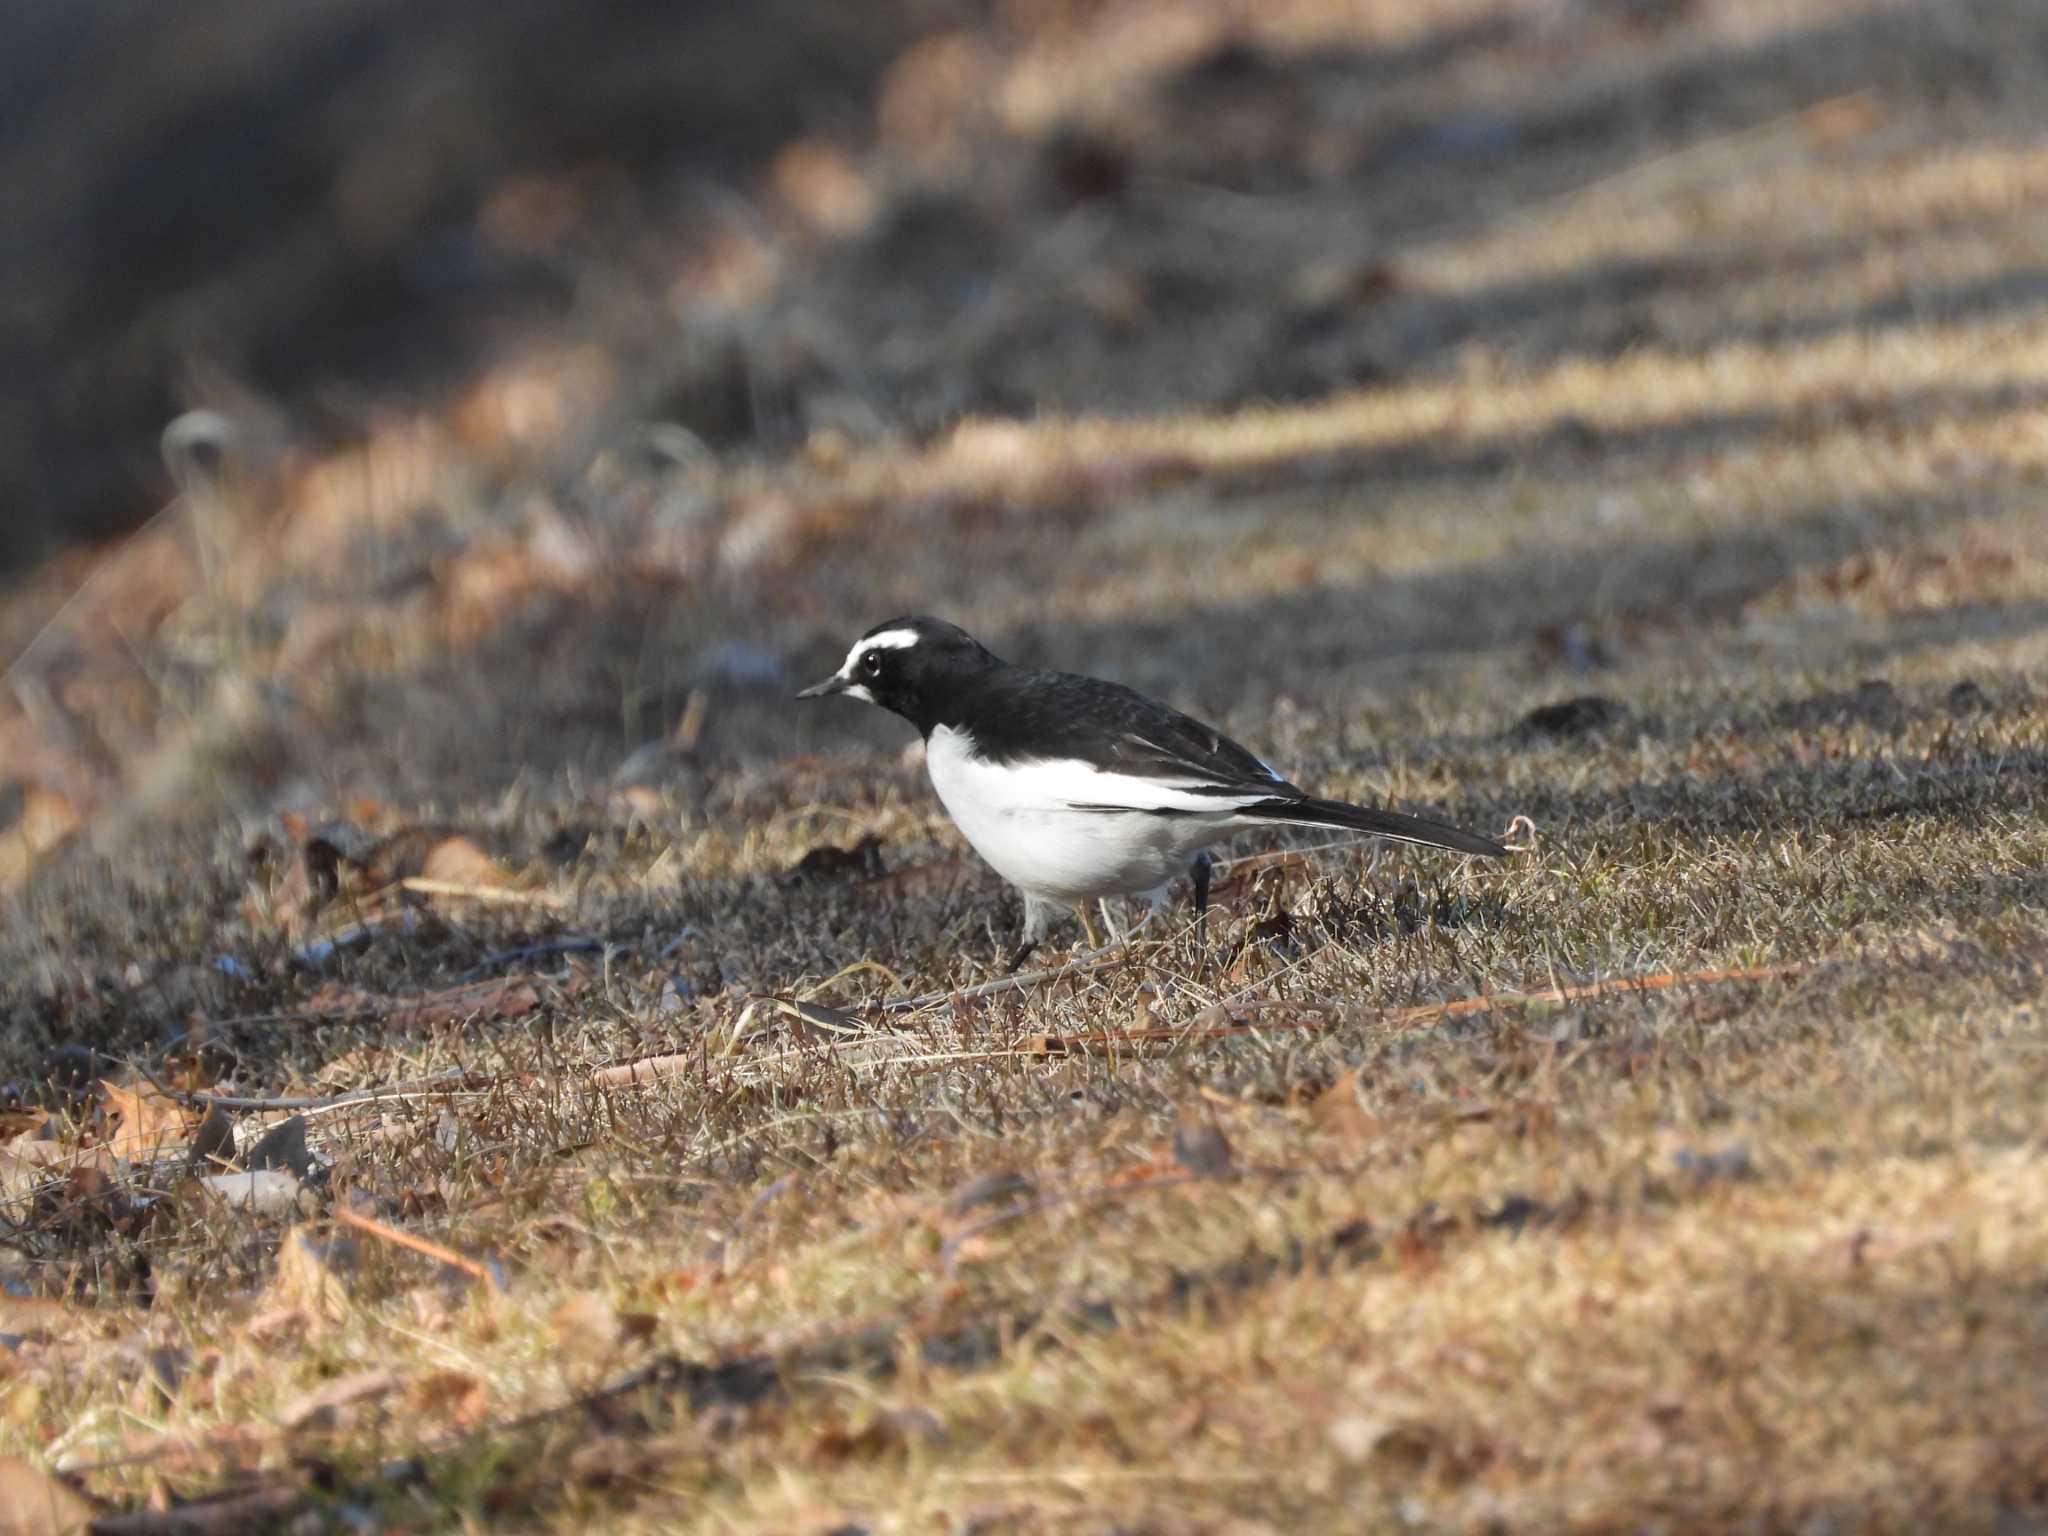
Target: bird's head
<point x="908" y="666"/>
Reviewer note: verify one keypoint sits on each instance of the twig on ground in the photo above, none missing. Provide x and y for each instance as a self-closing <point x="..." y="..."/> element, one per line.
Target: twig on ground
<point x="455" y="1079"/>
<point x="1660" y="981"/>
<point x="420" y="886"/>
<point x="579" y="944"/>
<point x="488" y="1273"/>
<point x="649" y="1069"/>
<point x="248" y="1509"/>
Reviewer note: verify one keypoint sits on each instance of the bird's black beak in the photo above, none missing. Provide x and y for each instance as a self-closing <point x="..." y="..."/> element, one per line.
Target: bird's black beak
<point x="833" y="684"/>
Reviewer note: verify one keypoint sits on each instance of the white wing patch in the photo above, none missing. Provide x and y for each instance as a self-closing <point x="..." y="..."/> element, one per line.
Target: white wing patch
<point x="1052" y="784"/>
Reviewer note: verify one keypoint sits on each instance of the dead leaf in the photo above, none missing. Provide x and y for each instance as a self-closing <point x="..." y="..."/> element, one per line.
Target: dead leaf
<point x="451" y="1397"/>
<point x="325" y="1407"/>
<point x="316" y="1276"/>
<point x="278" y="1325"/>
<point x="458" y="861"/>
<point x="283" y="1147"/>
<point x="587" y="1326"/>
<point x="1339" y="1111"/>
<point x="1392" y="1439"/>
<point x="33" y="1503"/>
<point x="46" y="820"/>
<point x="143" y="1121"/>
<point x="28" y="1120"/>
<point x="45" y="1317"/>
<point x="213" y="1143"/>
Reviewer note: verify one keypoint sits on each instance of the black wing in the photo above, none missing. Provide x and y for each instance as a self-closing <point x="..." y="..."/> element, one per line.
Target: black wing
<point x="1019" y="716"/>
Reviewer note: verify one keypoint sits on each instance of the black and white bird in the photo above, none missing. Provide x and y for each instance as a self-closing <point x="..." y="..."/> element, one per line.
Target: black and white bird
<point x="1074" y="788"/>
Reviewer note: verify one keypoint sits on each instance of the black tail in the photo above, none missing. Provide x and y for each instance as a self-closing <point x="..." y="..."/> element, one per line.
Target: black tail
<point x="1359" y="818"/>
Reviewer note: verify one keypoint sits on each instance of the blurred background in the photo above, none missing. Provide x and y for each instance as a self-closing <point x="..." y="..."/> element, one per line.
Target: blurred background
<point x="422" y="400"/>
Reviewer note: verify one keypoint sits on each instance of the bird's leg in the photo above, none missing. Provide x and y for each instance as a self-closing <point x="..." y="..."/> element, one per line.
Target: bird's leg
<point x="1155" y="903"/>
<point x="1088" y="928"/>
<point x="1039" y="916"/>
<point x="1199" y="873"/>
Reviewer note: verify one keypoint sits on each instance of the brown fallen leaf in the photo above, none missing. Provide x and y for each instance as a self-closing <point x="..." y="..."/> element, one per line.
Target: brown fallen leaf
<point x="26" y="1120"/>
<point x="48" y="1318"/>
<point x="46" y="820"/>
<point x="325" y="1406"/>
<point x="587" y="1326"/>
<point x="33" y="1503"/>
<point x="458" y="861"/>
<point x="143" y="1121"/>
<point x="316" y="1277"/>
<point x="278" y="1325"/>
<point x="1340" y="1112"/>
<point x="451" y="1397"/>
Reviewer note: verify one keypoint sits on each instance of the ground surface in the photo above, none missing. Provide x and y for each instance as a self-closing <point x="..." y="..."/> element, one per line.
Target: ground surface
<point x="1368" y="385"/>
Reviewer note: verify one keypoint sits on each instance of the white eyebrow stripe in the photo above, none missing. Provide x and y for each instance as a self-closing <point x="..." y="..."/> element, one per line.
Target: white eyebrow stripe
<point x="887" y="640"/>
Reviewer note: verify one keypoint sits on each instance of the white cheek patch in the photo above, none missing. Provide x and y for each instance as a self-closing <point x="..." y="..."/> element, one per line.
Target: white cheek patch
<point x="860" y="691"/>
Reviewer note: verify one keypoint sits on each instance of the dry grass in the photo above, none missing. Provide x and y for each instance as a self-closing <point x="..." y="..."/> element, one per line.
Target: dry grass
<point x="1742" y="1254"/>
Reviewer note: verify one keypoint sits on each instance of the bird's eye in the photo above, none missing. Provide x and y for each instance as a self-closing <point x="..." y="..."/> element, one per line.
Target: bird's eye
<point x="871" y="664"/>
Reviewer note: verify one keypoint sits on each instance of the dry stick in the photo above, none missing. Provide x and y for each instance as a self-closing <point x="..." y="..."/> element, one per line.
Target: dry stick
<point x="454" y="1079"/>
<point x="250" y="1509"/>
<point x="425" y="887"/>
<point x="351" y="1217"/>
<point x="1426" y="1013"/>
<point x="649" y="1069"/>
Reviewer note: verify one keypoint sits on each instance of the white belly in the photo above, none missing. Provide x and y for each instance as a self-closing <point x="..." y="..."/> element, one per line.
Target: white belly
<point x="1021" y="819"/>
